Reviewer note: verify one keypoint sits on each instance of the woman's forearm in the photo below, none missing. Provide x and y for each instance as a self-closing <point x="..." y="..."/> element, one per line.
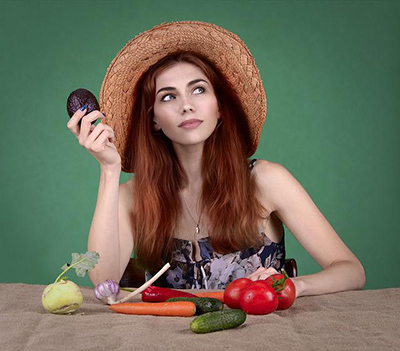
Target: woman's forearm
<point x="103" y="234"/>
<point x="340" y="276"/>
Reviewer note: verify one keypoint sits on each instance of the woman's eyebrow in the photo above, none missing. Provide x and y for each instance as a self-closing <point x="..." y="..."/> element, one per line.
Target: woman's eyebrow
<point x="192" y="82"/>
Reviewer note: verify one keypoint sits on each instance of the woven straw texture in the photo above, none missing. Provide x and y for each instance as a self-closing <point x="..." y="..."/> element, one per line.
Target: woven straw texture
<point x="223" y="48"/>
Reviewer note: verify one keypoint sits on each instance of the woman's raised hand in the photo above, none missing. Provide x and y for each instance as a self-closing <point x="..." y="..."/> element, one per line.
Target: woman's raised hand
<point x="98" y="140"/>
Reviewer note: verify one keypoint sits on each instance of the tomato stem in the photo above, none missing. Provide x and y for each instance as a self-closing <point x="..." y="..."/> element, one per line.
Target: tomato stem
<point x="279" y="284"/>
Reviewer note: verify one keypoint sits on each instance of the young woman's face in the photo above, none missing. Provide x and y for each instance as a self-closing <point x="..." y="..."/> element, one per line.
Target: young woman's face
<point x="184" y="93"/>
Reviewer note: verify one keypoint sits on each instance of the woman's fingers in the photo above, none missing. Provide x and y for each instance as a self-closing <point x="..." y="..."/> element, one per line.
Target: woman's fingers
<point x="262" y="273"/>
<point x="74" y="120"/>
<point x="101" y="142"/>
<point x="95" y="134"/>
<point x="256" y="273"/>
<point x="98" y="139"/>
<point x="73" y="123"/>
<point x="87" y="123"/>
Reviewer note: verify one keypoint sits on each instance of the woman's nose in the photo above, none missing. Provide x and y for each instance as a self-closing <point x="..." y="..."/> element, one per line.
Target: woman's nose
<point x="187" y="106"/>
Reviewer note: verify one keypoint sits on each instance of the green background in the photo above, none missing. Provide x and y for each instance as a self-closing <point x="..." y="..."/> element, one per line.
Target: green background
<point x="331" y="73"/>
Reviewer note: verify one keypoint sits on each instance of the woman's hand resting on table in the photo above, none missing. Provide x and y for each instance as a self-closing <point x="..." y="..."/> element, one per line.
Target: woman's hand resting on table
<point x="263" y="273"/>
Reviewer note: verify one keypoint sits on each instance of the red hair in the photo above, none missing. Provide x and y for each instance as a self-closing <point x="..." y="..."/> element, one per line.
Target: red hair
<point x="228" y="197"/>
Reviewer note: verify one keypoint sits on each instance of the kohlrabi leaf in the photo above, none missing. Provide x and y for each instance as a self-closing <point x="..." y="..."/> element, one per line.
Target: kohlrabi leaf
<point x="82" y="264"/>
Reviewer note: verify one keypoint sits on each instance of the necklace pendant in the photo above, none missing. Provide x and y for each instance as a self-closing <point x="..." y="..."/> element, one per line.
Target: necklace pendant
<point x="197" y="229"/>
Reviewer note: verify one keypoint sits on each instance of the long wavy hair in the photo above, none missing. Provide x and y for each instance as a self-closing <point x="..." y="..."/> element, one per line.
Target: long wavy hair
<point x="228" y="195"/>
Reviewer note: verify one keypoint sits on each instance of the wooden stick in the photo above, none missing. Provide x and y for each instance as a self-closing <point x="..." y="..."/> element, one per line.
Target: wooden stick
<point x="145" y="285"/>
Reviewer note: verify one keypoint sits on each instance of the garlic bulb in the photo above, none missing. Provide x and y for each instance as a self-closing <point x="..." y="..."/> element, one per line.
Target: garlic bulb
<point x="107" y="291"/>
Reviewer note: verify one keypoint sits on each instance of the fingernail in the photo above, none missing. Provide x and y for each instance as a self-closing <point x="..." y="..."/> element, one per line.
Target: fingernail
<point x="83" y="107"/>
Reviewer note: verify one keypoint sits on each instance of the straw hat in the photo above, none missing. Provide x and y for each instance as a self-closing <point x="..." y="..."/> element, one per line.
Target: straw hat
<point x="224" y="49"/>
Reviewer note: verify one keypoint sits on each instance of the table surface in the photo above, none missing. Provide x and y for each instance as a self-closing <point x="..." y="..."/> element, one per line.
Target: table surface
<point x="352" y="320"/>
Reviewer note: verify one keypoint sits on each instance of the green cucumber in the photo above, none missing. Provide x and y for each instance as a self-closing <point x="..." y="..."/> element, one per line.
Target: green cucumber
<point x="203" y="304"/>
<point x="218" y="320"/>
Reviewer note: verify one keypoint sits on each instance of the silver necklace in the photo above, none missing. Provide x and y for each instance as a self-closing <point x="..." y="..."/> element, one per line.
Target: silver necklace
<point x="197" y="231"/>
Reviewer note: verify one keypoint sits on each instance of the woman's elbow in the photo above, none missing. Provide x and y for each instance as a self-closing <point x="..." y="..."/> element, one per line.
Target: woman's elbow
<point x="360" y="276"/>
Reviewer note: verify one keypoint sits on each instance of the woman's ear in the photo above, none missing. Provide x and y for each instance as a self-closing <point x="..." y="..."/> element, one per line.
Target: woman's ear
<point x="156" y="126"/>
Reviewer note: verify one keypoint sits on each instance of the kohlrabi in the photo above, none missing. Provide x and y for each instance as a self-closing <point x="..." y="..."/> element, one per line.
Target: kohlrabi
<point x="64" y="296"/>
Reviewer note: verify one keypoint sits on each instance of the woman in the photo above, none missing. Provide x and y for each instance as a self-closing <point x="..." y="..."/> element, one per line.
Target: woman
<point x="185" y="107"/>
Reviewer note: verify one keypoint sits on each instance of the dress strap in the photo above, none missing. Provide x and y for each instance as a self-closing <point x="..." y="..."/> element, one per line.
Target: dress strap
<point x="253" y="163"/>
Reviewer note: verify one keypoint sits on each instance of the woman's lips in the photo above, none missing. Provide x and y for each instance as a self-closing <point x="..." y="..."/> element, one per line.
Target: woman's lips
<point x="190" y="124"/>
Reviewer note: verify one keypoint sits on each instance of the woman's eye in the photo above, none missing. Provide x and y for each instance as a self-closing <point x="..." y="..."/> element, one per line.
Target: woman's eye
<point x="202" y="90"/>
<point x="167" y="97"/>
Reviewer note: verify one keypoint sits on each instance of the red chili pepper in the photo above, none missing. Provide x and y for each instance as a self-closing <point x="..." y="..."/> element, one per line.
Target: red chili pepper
<point x="157" y="294"/>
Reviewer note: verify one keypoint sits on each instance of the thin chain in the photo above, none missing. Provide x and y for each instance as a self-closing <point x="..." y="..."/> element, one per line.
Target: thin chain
<point x="197" y="231"/>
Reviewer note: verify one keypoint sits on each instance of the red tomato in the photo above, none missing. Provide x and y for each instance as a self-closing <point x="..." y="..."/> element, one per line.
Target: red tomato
<point x="234" y="290"/>
<point x="285" y="289"/>
<point x="259" y="298"/>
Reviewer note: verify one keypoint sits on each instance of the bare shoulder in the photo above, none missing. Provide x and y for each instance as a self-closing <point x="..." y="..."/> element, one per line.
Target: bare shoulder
<point x="128" y="185"/>
<point x="126" y="194"/>
<point x="262" y="166"/>
<point x="268" y="173"/>
<point x="272" y="179"/>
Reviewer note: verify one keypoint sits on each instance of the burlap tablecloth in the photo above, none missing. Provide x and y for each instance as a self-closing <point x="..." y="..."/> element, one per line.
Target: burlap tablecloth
<point x="354" y="320"/>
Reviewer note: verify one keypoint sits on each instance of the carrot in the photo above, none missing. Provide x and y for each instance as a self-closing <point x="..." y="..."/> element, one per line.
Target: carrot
<point x="213" y="294"/>
<point x="178" y="308"/>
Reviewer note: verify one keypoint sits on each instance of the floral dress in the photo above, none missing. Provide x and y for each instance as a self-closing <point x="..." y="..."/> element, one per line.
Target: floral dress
<point x="214" y="270"/>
